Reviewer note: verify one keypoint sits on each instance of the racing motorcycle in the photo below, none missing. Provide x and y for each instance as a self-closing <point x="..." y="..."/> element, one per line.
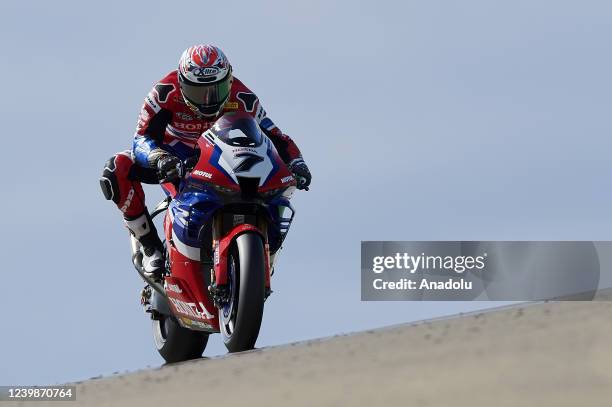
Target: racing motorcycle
<point x="224" y="224"/>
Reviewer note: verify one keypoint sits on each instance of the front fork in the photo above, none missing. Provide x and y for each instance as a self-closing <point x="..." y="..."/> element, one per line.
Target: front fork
<point x="219" y="288"/>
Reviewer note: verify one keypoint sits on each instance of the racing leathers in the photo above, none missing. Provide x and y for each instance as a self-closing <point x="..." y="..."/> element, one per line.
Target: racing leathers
<point x="167" y="134"/>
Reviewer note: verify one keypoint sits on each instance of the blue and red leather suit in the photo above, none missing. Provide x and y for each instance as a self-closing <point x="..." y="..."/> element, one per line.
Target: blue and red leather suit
<point x="166" y="122"/>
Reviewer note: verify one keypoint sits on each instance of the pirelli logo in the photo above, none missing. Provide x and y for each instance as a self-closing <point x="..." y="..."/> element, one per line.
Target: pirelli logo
<point x="231" y="106"/>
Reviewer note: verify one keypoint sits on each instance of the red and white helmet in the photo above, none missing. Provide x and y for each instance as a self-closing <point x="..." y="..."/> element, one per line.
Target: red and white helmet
<point x="205" y="79"/>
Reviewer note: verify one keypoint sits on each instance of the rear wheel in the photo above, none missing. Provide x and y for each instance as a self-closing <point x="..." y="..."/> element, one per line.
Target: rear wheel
<point x="240" y="319"/>
<point x="175" y="343"/>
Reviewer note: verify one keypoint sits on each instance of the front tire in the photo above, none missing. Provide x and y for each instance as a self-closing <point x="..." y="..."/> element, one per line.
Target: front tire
<point x="175" y="343"/>
<point x="241" y="319"/>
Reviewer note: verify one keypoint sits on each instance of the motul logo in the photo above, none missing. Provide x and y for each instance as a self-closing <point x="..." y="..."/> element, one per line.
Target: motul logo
<point x="203" y="174"/>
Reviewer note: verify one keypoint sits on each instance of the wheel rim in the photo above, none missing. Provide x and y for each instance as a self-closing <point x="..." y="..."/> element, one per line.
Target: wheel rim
<point x="228" y="312"/>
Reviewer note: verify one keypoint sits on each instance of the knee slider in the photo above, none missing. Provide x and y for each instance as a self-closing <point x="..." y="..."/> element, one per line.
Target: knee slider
<point x="108" y="181"/>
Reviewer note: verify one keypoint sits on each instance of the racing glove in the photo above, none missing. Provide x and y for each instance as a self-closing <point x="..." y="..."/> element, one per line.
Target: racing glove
<point x="301" y="173"/>
<point x="169" y="168"/>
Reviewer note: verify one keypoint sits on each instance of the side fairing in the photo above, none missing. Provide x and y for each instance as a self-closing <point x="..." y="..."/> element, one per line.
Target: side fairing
<point x="189" y="212"/>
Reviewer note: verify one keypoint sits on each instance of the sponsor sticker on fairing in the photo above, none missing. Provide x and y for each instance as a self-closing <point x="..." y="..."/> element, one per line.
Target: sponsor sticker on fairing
<point x="174" y="288"/>
<point x="190" y="309"/>
<point x="195" y="323"/>
<point x="216" y="255"/>
<point x="203" y="174"/>
<point x="201" y="324"/>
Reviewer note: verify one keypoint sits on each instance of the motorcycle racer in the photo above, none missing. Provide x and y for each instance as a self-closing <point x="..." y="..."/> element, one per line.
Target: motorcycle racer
<point x="179" y="108"/>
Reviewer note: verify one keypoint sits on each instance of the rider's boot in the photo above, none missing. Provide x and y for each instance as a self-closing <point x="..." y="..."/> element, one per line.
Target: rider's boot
<point x="144" y="231"/>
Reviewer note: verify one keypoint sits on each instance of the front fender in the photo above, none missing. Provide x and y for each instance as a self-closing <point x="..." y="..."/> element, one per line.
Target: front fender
<point x="222" y="248"/>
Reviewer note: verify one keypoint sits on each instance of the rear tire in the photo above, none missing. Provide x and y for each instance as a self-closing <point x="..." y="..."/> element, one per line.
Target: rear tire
<point x="247" y="265"/>
<point x="175" y="343"/>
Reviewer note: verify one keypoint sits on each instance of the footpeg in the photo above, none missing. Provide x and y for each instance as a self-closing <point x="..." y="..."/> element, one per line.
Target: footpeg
<point x="145" y="297"/>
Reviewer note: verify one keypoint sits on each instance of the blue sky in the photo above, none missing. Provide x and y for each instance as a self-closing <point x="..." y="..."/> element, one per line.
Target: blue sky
<point x="420" y="121"/>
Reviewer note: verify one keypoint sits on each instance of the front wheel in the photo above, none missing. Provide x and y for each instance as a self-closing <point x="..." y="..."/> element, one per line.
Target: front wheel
<point x="240" y="319"/>
<point x="175" y="343"/>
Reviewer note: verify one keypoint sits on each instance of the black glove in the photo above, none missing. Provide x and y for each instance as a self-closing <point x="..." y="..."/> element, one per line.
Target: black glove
<point x="169" y="168"/>
<point x="301" y="173"/>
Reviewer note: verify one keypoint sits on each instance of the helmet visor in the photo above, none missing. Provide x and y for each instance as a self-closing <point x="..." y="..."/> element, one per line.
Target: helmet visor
<point x="206" y="94"/>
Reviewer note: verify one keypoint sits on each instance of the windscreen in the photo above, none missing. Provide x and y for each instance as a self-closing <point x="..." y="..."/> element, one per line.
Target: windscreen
<point x="238" y="129"/>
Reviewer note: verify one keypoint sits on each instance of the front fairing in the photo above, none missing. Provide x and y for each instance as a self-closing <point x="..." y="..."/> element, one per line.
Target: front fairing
<point x="227" y="166"/>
